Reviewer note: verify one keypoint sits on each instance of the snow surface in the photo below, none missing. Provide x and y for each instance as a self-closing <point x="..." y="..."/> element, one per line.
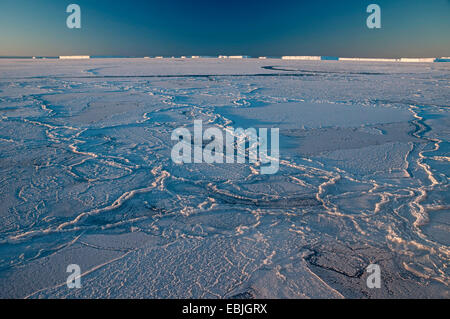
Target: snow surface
<point x="86" y="178"/>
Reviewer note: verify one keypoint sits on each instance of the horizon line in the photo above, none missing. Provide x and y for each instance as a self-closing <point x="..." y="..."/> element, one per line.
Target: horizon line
<point x="243" y="57"/>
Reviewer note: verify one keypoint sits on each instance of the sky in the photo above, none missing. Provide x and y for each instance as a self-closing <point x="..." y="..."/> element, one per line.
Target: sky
<point x="414" y="28"/>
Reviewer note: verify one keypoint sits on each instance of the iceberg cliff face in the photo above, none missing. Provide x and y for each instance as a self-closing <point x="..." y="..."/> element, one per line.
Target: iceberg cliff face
<point x="311" y="58"/>
<point x="74" y="57"/>
<point x="87" y="178"/>
<point x="427" y="60"/>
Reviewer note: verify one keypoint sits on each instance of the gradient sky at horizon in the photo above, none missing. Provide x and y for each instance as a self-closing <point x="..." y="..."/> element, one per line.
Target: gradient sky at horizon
<point x="414" y="28"/>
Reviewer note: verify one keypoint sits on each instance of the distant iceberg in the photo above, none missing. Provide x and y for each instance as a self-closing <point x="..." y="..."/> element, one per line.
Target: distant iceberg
<point x="314" y="58"/>
<point x="74" y="57"/>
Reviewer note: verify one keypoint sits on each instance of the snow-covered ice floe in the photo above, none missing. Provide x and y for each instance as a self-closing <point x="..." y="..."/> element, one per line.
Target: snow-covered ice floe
<point x="86" y="178"/>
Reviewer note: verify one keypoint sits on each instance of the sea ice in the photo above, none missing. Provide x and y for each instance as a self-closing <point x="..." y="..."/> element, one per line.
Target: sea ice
<point x="86" y="178"/>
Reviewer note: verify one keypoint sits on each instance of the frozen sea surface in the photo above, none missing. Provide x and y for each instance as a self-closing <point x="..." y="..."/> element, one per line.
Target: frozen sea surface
<point x="86" y="178"/>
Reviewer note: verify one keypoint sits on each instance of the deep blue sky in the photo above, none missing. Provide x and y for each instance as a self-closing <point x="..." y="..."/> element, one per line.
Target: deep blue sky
<point x="207" y="27"/>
